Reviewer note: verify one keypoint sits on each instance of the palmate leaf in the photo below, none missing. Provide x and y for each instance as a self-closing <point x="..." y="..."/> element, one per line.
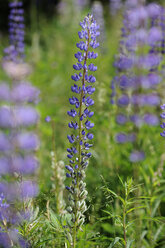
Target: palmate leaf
<point x="55" y="222"/>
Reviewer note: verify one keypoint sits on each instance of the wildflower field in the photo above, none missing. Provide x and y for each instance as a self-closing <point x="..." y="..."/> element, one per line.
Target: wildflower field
<point x="82" y="110"/>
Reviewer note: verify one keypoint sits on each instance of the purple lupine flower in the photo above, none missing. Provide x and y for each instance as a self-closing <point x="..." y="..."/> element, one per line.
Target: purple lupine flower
<point x="114" y="6"/>
<point x="124" y="138"/>
<point x="3" y="208"/>
<point x="150" y="81"/>
<point x="98" y="14"/>
<point x="137" y="16"/>
<point x="151" y="119"/>
<point x="81" y="4"/>
<point x="137" y="156"/>
<point x="121" y="119"/>
<point x="153" y="10"/>
<point x="138" y="90"/>
<point x="81" y="113"/>
<point x="15" y="52"/>
<point x="113" y="90"/>
<point x="129" y="4"/>
<point x="137" y="120"/>
<point x="20" y="116"/>
<point x="17" y="146"/>
<point x="155" y="35"/>
<point x="47" y="118"/>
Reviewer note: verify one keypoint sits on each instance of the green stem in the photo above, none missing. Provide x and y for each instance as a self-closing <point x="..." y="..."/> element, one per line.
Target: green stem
<point x="124" y="227"/>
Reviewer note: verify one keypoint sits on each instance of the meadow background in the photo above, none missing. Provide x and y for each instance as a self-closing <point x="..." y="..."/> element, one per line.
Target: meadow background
<point x="50" y="47"/>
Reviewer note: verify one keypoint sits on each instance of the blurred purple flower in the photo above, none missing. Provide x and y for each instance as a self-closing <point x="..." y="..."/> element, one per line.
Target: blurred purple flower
<point x="28" y="189"/>
<point x="124" y="82"/>
<point x="5" y="144"/>
<point x="153" y="10"/>
<point x="26" y="141"/>
<point x="137" y="16"/>
<point x="155" y="35"/>
<point x="25" y="92"/>
<point x="123" y="100"/>
<point x="19" y="116"/>
<point x="25" y="116"/>
<point x="6" y="120"/>
<point x="115" y="5"/>
<point x="149" y="61"/>
<point x="121" y="138"/>
<point x="144" y="100"/>
<point x="151" y="119"/>
<point x="137" y="156"/>
<point x="123" y="63"/>
<point x="15" y="52"/>
<point x="150" y="81"/>
<point x="121" y="119"/>
<point x="131" y="137"/>
<point x="5" y="241"/>
<point x="4" y="165"/>
<point x="4" y="92"/>
<point x="129" y="4"/>
<point x="19" y="191"/>
<point x="48" y="119"/>
<point x="137" y="120"/>
<point x="24" y="165"/>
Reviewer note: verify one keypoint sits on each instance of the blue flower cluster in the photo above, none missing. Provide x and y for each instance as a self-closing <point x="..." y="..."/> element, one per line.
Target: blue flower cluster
<point x="15" y="52"/>
<point x="81" y="125"/>
<point x="18" y="142"/>
<point x="137" y="71"/>
<point x="81" y="113"/>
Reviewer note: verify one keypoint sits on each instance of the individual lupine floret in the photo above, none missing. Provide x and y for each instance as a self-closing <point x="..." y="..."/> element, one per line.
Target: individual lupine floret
<point x="98" y="14"/>
<point x="81" y="136"/>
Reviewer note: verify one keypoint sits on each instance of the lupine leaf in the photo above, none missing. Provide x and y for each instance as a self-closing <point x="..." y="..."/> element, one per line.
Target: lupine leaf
<point x="116" y="240"/>
<point x="129" y="243"/>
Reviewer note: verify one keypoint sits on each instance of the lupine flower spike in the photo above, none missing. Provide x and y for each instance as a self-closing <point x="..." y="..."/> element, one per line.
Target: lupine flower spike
<point x="81" y="136"/>
<point x="17" y="143"/>
<point x="15" y="51"/>
<point x="137" y="78"/>
<point x="57" y="173"/>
